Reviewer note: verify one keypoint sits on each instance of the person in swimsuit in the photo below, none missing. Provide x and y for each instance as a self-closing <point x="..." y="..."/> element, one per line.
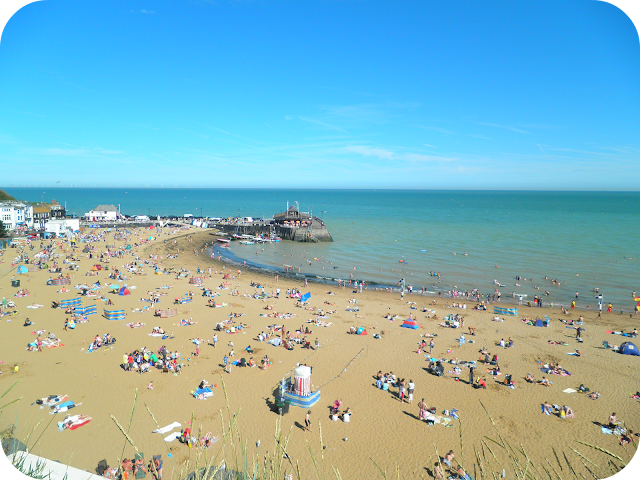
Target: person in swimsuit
<point x="448" y="458"/>
<point x="307" y="421"/>
<point x="423" y="410"/>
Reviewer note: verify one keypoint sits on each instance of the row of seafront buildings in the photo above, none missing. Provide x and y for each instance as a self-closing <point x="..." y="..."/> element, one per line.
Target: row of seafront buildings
<point x="20" y="217"/>
<point x="16" y="215"/>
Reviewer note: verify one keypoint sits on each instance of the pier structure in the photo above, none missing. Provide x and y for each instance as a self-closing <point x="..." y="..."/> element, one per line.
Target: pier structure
<point x="288" y="225"/>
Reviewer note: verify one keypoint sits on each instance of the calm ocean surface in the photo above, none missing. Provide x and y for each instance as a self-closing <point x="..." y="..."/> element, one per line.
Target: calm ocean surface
<point x="531" y="234"/>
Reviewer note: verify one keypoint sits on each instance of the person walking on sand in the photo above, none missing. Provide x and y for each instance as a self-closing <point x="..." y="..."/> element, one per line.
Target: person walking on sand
<point x="307" y="421"/>
<point x="471" y="376"/>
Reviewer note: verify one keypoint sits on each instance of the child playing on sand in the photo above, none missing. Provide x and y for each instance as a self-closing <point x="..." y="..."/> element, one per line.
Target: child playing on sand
<point x="150" y="386"/>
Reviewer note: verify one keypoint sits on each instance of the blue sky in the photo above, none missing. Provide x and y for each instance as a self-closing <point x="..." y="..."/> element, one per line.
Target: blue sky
<point x="327" y="94"/>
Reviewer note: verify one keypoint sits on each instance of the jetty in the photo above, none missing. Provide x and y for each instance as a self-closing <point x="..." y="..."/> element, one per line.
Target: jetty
<point x="288" y="225"/>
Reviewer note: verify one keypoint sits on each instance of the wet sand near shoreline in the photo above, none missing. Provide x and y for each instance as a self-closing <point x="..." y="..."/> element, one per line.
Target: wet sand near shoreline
<point x="381" y="428"/>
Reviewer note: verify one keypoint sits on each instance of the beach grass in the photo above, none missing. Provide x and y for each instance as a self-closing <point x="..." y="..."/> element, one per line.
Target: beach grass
<point x="491" y="460"/>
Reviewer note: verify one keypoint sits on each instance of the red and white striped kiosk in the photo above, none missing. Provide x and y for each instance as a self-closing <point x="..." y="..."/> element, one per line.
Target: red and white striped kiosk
<point x="302" y="396"/>
<point x="302" y="381"/>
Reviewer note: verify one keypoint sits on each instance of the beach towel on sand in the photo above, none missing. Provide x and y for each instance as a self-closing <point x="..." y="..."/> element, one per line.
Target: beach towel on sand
<point x="171" y="437"/>
<point x="168" y="428"/>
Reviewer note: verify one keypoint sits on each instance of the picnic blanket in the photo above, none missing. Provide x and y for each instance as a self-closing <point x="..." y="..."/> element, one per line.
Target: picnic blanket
<point x="438" y="419"/>
<point x="202" y="393"/>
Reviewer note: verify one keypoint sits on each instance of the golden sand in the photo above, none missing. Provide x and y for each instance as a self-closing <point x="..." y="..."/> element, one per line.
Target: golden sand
<point x="381" y="429"/>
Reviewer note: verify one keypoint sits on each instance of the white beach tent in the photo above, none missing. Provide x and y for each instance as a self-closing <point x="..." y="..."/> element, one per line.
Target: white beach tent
<point x="49" y="468"/>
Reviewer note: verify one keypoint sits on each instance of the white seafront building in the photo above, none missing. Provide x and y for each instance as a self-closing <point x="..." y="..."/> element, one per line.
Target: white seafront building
<point x="16" y="215"/>
<point x="103" y="213"/>
<point x="63" y="227"/>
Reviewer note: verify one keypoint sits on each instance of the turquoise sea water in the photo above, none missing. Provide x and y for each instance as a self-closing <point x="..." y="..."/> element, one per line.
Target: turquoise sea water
<point x="531" y="234"/>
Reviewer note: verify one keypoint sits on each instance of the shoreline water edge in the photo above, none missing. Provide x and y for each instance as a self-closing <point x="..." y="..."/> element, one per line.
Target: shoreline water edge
<point x="446" y="292"/>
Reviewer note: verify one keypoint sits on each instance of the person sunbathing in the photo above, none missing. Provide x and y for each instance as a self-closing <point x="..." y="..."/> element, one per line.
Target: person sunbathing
<point x="547" y="409"/>
<point x="462" y="475"/>
<point x="594" y="395"/>
<point x="545" y="382"/>
<point x="626" y="438"/>
<point x="566" y="412"/>
<point x="448" y="458"/>
<point x="139" y="470"/>
<point x="530" y="378"/>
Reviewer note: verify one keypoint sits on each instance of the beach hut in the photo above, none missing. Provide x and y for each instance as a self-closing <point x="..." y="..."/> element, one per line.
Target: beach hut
<point x="302" y="380"/>
<point x="22" y="269"/>
<point x="124" y="291"/>
<point x="628" y="348"/>
<point x="301" y="395"/>
<point x="410" y="324"/>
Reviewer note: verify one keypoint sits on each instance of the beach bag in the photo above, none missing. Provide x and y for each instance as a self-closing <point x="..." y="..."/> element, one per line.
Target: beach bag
<point x="334" y="417"/>
<point x="432" y="410"/>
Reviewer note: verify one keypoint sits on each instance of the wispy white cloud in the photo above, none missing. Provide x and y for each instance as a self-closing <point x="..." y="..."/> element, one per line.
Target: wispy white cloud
<point x="479" y="135"/>
<point x="192" y="133"/>
<point x="436" y="129"/>
<point x="541" y="149"/>
<point x="356" y="114"/>
<point x="147" y="12"/>
<point x="232" y="134"/>
<point x="73" y="152"/>
<point x="506" y="127"/>
<point x="383" y="154"/>
<point x="430" y="146"/>
<point x="322" y="124"/>
<point x="370" y="151"/>
<point x="541" y="126"/>
<point x="416" y="157"/>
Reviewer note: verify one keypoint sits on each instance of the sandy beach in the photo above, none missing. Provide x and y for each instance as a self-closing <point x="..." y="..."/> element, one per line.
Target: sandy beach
<point x="382" y="429"/>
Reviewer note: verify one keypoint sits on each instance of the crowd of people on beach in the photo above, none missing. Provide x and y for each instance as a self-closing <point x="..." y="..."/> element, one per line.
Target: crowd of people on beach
<point x="144" y="359"/>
